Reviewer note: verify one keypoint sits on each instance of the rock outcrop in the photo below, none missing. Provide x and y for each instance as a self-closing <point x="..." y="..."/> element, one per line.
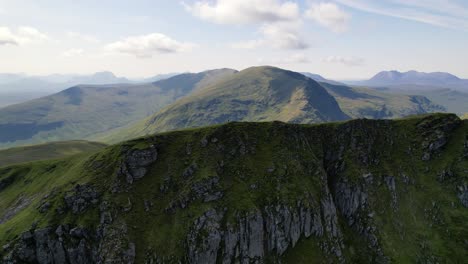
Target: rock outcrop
<point x="255" y="193"/>
<point x="269" y="231"/>
<point x="135" y="163"/>
<point x="48" y="245"/>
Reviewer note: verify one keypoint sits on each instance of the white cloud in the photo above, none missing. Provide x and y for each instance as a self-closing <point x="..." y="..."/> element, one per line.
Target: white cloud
<point x="73" y="53"/>
<point x="348" y="61"/>
<point x="7" y="37"/>
<point x="284" y="36"/>
<point x="278" y="36"/>
<point x="244" y="11"/>
<point x="278" y="22"/>
<point x="329" y="15"/>
<point x="146" y="46"/>
<point x="22" y="35"/>
<point x="84" y="37"/>
<point x="443" y="13"/>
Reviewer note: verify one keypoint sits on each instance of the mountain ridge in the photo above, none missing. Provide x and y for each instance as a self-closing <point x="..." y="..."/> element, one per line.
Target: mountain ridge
<point x="252" y="192"/>
<point x="83" y="110"/>
<point x="247" y="94"/>
<point x="254" y="94"/>
<point x="428" y="80"/>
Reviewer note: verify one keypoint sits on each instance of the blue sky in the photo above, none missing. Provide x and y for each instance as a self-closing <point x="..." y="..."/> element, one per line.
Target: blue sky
<point x="342" y="39"/>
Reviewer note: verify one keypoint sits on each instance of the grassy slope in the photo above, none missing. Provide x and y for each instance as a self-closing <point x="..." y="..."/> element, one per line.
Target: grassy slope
<point x="359" y="102"/>
<point x="409" y="234"/>
<point x="455" y="101"/>
<point x="53" y="150"/>
<point x="254" y="94"/>
<point x="82" y="111"/>
<point x="250" y="96"/>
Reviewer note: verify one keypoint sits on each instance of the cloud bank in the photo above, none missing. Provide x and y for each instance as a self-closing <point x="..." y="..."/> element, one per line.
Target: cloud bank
<point x="21" y="36"/>
<point x="244" y="11"/>
<point x="145" y="46"/>
<point x="329" y="15"/>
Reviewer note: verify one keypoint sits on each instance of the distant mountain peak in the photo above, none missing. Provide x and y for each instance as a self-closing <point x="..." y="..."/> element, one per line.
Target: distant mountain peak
<point x="393" y="77"/>
<point x="105" y="74"/>
<point x="394" y="74"/>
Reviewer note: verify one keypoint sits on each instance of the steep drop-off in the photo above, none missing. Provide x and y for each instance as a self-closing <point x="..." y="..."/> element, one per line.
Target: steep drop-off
<point x="359" y="191"/>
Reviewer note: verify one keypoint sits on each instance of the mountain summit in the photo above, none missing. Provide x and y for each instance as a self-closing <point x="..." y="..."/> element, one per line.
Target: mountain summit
<point x="254" y="94"/>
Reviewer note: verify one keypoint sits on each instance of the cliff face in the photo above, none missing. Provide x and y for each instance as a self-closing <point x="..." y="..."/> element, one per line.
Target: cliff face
<point x="360" y="191"/>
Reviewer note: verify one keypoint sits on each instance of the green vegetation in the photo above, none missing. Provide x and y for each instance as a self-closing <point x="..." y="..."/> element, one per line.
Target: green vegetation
<point x="465" y="116"/>
<point x="46" y="151"/>
<point x="82" y="111"/>
<point x="359" y="102"/>
<point x="254" y="94"/>
<point x="412" y="203"/>
<point x="272" y="94"/>
<point x="112" y="113"/>
<point x="454" y="101"/>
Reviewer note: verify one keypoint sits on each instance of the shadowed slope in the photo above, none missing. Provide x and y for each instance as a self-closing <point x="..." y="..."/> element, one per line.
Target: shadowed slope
<point x="53" y="150"/>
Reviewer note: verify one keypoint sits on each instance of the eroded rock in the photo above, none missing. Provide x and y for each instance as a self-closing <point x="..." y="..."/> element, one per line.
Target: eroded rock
<point x="135" y="163"/>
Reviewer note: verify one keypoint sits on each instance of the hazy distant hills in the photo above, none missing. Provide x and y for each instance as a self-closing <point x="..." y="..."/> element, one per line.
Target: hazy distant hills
<point x="415" y="78"/>
<point x="115" y="112"/>
<point x="267" y="94"/>
<point x="17" y="88"/>
<point x="84" y="110"/>
<point x="358" y="102"/>
<point x="319" y="78"/>
<point x="442" y="88"/>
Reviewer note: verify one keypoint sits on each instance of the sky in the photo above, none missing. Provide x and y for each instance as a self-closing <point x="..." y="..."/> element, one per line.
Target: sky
<point x="340" y="39"/>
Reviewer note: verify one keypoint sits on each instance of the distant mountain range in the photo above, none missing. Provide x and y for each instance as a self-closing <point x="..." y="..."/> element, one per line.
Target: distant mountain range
<point x="416" y="80"/>
<point x="440" y="87"/>
<point x="84" y="110"/>
<point x="319" y="78"/>
<point x="18" y="88"/>
<point x="114" y="112"/>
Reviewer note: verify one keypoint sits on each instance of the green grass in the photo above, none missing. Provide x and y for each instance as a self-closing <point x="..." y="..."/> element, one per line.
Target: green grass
<point x="46" y="151"/>
<point x="83" y="111"/>
<point x="248" y="152"/>
<point x="360" y="102"/>
<point x="260" y="94"/>
<point x="255" y="94"/>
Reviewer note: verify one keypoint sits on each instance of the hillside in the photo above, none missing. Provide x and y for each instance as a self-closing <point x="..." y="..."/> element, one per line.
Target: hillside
<point x="84" y="110"/>
<point x="268" y="94"/>
<point x="361" y="191"/>
<point x="358" y="102"/>
<point x="254" y="94"/>
<point x="53" y="150"/>
<point x="454" y="101"/>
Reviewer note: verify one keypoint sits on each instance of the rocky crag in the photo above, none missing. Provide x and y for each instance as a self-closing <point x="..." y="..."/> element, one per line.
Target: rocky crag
<point x="355" y="192"/>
